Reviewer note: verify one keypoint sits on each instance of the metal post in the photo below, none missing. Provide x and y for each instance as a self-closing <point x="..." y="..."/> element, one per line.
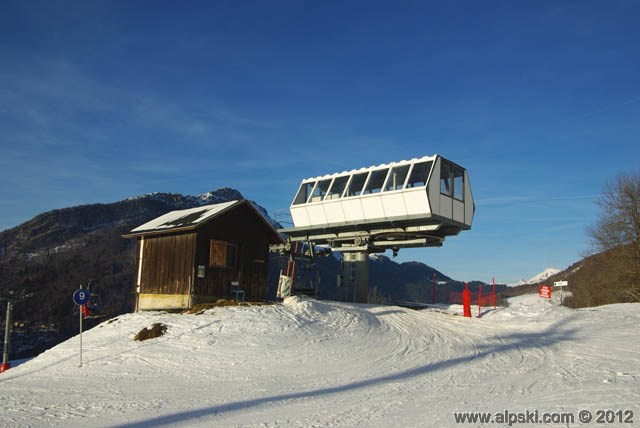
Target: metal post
<point x="354" y="281"/>
<point x="356" y="276"/>
<point x="80" y="336"/>
<point x="433" y="294"/>
<point x="7" y="338"/>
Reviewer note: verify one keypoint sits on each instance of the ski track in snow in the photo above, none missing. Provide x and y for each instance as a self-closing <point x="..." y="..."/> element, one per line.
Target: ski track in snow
<point x="324" y="364"/>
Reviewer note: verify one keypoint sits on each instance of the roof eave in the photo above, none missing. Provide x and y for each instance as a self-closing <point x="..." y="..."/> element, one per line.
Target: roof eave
<point x="156" y="232"/>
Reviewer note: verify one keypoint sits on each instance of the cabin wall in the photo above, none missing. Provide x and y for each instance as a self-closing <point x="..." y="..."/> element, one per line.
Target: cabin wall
<point x="250" y="238"/>
<point x="458" y="210"/>
<point x="468" y="201"/>
<point x="434" y="188"/>
<point x="164" y="271"/>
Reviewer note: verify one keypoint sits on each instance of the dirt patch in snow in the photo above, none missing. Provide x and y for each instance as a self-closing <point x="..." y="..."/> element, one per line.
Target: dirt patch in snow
<point x="156" y="330"/>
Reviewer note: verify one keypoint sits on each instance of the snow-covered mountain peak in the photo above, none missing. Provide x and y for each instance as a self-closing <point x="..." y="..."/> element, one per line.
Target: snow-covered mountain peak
<point x="219" y="195"/>
<point x="542" y="276"/>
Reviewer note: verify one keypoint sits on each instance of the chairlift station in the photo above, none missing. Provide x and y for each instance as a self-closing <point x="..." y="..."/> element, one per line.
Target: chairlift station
<point x="405" y="204"/>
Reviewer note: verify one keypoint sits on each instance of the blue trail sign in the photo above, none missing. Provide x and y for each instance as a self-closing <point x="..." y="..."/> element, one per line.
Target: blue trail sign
<point x="81" y="297"/>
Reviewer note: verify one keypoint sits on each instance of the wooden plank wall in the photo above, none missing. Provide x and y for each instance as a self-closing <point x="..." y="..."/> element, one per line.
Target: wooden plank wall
<point x="255" y="280"/>
<point x="252" y="237"/>
<point x="167" y="264"/>
<point x="216" y="284"/>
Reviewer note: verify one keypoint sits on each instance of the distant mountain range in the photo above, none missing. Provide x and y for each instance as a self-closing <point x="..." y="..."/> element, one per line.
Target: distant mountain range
<point x="45" y="259"/>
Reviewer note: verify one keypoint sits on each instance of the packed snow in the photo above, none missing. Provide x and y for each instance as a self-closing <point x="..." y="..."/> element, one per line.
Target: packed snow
<point x="307" y="363"/>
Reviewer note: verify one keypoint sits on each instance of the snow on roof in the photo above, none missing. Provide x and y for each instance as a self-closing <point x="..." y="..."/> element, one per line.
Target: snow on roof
<point x="184" y="218"/>
<point x="370" y="168"/>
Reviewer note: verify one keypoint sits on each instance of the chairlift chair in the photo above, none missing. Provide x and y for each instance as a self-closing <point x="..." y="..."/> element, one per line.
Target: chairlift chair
<point x="94" y="304"/>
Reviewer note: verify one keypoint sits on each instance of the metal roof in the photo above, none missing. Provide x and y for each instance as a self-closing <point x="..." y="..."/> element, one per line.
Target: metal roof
<point x="192" y="218"/>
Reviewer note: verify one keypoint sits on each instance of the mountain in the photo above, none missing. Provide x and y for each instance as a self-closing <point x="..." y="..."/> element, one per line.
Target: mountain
<point x="62" y="230"/>
<point x="389" y="281"/>
<point x="536" y="279"/>
<point x="600" y="279"/>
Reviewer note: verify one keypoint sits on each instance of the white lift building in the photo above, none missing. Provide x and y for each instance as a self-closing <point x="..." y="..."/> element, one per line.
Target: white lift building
<point x="403" y="204"/>
<point x="411" y="203"/>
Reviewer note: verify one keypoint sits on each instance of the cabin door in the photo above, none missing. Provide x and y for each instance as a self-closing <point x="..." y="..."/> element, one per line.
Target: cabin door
<point x="258" y="279"/>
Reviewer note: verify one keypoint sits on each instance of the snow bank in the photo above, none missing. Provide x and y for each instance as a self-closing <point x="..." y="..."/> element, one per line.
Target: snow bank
<point x="312" y="363"/>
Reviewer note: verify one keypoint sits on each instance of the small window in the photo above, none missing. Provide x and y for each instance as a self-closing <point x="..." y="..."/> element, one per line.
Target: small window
<point x="304" y="193"/>
<point x="458" y="184"/>
<point x="337" y="188"/>
<point x="419" y="174"/>
<point x="446" y="179"/>
<point x="320" y="190"/>
<point x="222" y="254"/>
<point x="356" y="184"/>
<point x="396" y="178"/>
<point x="376" y="181"/>
<point x="217" y="253"/>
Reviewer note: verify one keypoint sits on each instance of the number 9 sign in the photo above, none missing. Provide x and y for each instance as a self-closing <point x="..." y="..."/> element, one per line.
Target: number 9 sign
<point x="81" y="297"/>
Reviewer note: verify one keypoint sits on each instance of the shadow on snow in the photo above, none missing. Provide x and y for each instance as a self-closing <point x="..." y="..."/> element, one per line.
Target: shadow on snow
<point x="548" y="337"/>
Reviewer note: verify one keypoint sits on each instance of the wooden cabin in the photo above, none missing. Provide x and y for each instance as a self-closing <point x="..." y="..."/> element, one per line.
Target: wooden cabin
<point x="195" y="255"/>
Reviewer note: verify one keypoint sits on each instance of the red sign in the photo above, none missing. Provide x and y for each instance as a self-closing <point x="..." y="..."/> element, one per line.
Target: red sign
<point x="545" y="291"/>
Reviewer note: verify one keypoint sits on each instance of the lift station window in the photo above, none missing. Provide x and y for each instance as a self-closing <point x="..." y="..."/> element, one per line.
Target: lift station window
<point x="458" y="184"/>
<point x="321" y="189"/>
<point x="356" y="184"/>
<point x="337" y="188"/>
<point x="452" y="181"/>
<point x="446" y="179"/>
<point x="303" y="193"/>
<point x="419" y="174"/>
<point x="396" y="178"/>
<point x="376" y="181"/>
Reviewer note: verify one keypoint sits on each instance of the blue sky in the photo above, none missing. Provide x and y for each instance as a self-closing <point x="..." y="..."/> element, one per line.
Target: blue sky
<point x="539" y="100"/>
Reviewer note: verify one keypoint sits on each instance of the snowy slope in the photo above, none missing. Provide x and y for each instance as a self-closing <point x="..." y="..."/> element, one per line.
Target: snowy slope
<point x="306" y="363"/>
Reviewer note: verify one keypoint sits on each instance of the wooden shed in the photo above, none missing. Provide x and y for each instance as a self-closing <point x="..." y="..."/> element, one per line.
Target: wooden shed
<point x="193" y="256"/>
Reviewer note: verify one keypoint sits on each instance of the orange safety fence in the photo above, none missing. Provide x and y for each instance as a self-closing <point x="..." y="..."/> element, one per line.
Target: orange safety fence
<point x="485" y="299"/>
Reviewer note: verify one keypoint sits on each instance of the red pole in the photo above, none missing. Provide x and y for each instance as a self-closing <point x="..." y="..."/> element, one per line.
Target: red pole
<point x="466" y="301"/>
<point x="433" y="297"/>
<point x="493" y="283"/>
<point x="479" y="299"/>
